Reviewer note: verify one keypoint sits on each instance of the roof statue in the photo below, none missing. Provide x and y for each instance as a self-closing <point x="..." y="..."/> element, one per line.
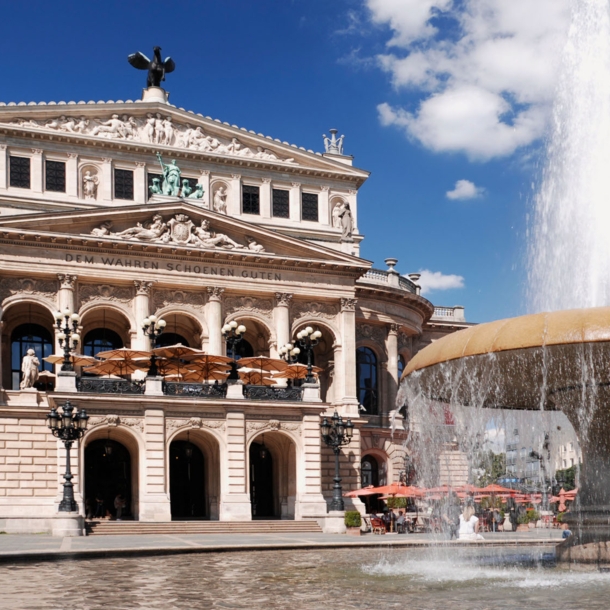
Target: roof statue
<point x="333" y="145"/>
<point x="157" y="68"/>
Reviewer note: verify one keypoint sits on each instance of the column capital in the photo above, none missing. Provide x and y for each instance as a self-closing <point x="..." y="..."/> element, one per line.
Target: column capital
<point x="66" y="280"/>
<point x="215" y="293"/>
<point x="72" y="155"/>
<point x="107" y="160"/>
<point x="266" y="180"/>
<point x="140" y="164"/>
<point x="37" y="151"/>
<point x="348" y="304"/>
<point x="143" y="287"/>
<point x="296" y="185"/>
<point x="282" y="299"/>
<point x="205" y="172"/>
<point x="393" y="329"/>
<point x="236" y="176"/>
<point x="325" y="189"/>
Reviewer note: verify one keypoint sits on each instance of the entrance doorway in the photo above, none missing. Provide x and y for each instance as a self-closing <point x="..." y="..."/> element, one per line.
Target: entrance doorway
<point x="369" y="473"/>
<point x="107" y="474"/>
<point x="186" y="481"/>
<point x="261" y="482"/>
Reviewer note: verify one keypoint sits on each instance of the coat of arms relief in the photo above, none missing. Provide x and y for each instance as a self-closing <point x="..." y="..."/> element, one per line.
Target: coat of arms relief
<point x="179" y="230"/>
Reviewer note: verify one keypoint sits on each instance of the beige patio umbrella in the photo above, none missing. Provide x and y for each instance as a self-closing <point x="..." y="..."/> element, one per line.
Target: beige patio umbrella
<point x="255" y="378"/>
<point x="208" y="365"/>
<point x="209" y="373"/>
<point x="263" y="363"/>
<point x="124" y="353"/>
<point x="75" y="359"/>
<point x="177" y="351"/>
<point x="296" y="371"/>
<point x="118" y="366"/>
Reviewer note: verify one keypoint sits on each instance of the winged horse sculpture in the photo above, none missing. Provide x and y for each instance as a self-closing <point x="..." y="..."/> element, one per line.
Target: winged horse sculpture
<point x="157" y="68"/>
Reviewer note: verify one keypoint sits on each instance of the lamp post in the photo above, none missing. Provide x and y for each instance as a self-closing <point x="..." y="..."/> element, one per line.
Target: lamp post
<point x="67" y="324"/>
<point x="232" y="333"/>
<point x="308" y="338"/>
<point x="68" y="426"/>
<point x="336" y="433"/>
<point x="289" y="353"/>
<point x="153" y="327"/>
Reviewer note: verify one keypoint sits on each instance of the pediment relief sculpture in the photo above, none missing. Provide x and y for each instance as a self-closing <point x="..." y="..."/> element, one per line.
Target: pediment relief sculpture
<point x="154" y="128"/>
<point x="179" y="230"/>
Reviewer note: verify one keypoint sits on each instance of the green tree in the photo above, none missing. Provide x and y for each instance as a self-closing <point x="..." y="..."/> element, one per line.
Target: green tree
<point x="568" y="476"/>
<point x="491" y="467"/>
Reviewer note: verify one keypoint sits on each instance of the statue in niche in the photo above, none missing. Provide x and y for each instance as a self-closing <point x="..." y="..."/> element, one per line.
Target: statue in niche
<point x="347" y="222"/>
<point x="220" y="200"/>
<point x="103" y="230"/>
<point x="155" y="187"/>
<point x="186" y="189"/>
<point x="171" y="177"/>
<point x="197" y="193"/>
<point x="157" y="68"/>
<point x="90" y="184"/>
<point x="29" y="368"/>
<point x="337" y="215"/>
<point x="146" y="233"/>
<point x="207" y="239"/>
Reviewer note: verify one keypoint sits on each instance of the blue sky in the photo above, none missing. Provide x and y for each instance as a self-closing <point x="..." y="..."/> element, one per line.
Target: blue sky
<point x="421" y="90"/>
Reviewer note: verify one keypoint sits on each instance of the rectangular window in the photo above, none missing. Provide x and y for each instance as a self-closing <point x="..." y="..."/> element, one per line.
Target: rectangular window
<point x="250" y="199"/>
<point x="20" y="172"/>
<point x="55" y="176"/>
<point x="123" y="184"/>
<point x="309" y="206"/>
<point x="281" y="203"/>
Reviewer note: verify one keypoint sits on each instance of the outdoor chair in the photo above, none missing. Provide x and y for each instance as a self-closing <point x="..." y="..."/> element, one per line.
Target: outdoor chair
<point x="377" y="525"/>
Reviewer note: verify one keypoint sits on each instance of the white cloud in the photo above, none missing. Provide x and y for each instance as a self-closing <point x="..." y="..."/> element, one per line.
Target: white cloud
<point x="435" y="280"/>
<point x="485" y="84"/>
<point x="464" y="189"/>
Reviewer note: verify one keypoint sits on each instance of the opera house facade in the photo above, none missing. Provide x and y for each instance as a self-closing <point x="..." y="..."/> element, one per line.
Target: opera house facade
<point x="121" y="213"/>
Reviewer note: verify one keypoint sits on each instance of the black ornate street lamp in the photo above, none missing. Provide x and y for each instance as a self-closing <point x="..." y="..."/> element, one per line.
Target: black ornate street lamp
<point x="232" y="333"/>
<point x="153" y="327"/>
<point x="336" y="433"/>
<point x="68" y="426"/>
<point x="289" y="353"/>
<point x="67" y="324"/>
<point x="308" y="338"/>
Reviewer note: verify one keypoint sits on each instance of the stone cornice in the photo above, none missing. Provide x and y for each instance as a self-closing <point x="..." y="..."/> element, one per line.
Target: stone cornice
<point x="412" y="301"/>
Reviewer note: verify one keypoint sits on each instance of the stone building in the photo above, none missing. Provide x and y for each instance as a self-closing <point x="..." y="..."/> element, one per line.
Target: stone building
<point x="256" y="231"/>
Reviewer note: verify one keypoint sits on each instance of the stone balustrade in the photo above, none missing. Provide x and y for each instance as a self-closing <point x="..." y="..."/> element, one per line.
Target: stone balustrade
<point x="449" y="313"/>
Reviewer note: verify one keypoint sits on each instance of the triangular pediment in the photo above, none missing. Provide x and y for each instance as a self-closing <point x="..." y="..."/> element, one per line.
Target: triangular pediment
<point x="175" y="225"/>
<point x="165" y="128"/>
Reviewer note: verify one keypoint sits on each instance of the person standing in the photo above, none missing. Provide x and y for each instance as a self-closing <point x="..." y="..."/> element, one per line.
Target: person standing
<point x="119" y="505"/>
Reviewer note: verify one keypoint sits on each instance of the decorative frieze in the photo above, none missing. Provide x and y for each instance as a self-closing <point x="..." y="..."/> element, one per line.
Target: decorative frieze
<point x="249" y="305"/>
<point x="370" y="332"/>
<point x="28" y="286"/>
<point x="404" y="341"/>
<point x="194" y="423"/>
<point x="115" y="420"/>
<point x="104" y="292"/>
<point x="165" y="298"/>
<point x="301" y="309"/>
<point x="254" y="427"/>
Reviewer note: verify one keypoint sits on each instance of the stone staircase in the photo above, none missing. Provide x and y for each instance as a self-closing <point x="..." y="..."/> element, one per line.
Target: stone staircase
<point x="184" y="528"/>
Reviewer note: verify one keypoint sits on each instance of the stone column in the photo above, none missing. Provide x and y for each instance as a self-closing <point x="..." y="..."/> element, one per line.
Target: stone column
<point x="214" y="320"/>
<point x="310" y="501"/>
<point x="348" y="337"/>
<point x="324" y="207"/>
<point x="391" y="346"/>
<point x="295" y="202"/>
<point x="234" y="498"/>
<point x="37" y="172"/>
<point x="234" y="200"/>
<point x="154" y="496"/>
<point x="72" y="175"/>
<point x="140" y="188"/>
<point x="1" y="350"/>
<point x="266" y="197"/>
<point x="281" y="316"/>
<point x="3" y="166"/>
<point x="107" y="179"/>
<point x="204" y="180"/>
<point x="352" y="199"/>
<point x="141" y="310"/>
<point x="338" y="385"/>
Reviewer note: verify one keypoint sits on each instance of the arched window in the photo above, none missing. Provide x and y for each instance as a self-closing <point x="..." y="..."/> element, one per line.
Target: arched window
<point x="369" y="471"/>
<point x="401" y="366"/>
<point x="366" y="374"/>
<point x="101" y="340"/>
<point x="167" y="339"/>
<point x="23" y="338"/>
<point x="242" y="350"/>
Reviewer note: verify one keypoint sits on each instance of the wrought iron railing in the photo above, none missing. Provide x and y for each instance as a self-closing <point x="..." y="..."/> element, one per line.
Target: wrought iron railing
<point x="195" y="390"/>
<point x="262" y="392"/>
<point x="100" y="385"/>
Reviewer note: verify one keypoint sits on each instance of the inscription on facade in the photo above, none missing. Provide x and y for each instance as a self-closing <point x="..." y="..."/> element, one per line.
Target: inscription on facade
<point x="116" y="261"/>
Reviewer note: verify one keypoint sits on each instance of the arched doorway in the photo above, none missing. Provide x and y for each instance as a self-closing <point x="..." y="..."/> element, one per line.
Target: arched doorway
<point x="167" y="339"/>
<point x="108" y="473"/>
<point x="261" y="482"/>
<point x="369" y="474"/>
<point x="186" y="481"/>
<point x="100" y="340"/>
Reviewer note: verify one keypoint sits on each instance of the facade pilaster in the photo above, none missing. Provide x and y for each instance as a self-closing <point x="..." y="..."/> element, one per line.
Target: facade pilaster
<point x="391" y="346"/>
<point x="154" y="497"/>
<point x="36" y="170"/>
<point x="324" y="206"/>
<point x="352" y="198"/>
<point x="140" y="188"/>
<point x="214" y="320"/>
<point x="265" y="198"/>
<point x="1" y="350"/>
<point x="234" y="200"/>
<point x="141" y="310"/>
<point x="281" y="316"/>
<point x="72" y="175"/>
<point x="3" y="166"/>
<point x="107" y="179"/>
<point x="348" y="338"/>
<point x="295" y="201"/>
<point x="204" y="180"/>
<point x="235" y="500"/>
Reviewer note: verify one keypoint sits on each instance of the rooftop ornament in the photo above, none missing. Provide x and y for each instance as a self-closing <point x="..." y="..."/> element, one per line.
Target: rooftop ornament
<point x="157" y="68"/>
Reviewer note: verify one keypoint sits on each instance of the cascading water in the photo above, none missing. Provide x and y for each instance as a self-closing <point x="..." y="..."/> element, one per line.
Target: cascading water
<point x="569" y="252"/>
